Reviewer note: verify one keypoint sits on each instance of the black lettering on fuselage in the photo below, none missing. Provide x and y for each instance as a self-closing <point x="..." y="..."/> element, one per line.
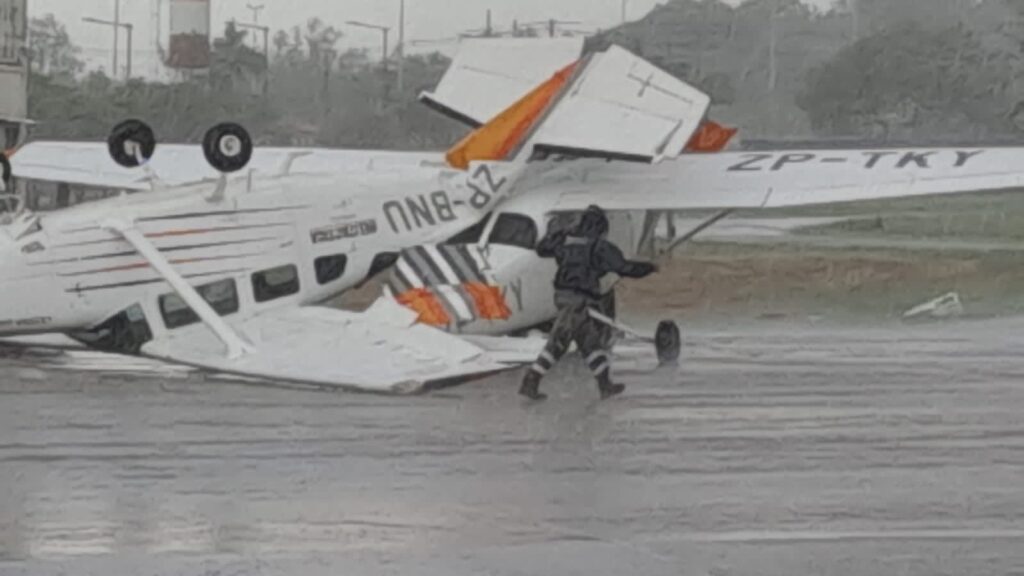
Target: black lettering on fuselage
<point x="918" y="158"/>
<point x="874" y="157"/>
<point x="962" y="156"/>
<point x="748" y="165"/>
<point x="389" y="209"/>
<point x="426" y="210"/>
<point x="442" y="206"/>
<point x="791" y="159"/>
<point x="484" y="192"/>
<point x="420" y="211"/>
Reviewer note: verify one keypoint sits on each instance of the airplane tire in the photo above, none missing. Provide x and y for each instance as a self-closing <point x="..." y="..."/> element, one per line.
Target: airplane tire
<point x="5" y="171"/>
<point x="227" y="147"/>
<point x="668" y="343"/>
<point x="124" y="136"/>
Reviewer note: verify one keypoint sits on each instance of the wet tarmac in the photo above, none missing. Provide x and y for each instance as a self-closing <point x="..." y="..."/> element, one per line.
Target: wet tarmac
<point x="773" y="449"/>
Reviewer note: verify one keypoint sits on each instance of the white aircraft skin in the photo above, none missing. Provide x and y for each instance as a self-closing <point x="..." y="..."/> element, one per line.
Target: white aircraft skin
<point x="68" y="272"/>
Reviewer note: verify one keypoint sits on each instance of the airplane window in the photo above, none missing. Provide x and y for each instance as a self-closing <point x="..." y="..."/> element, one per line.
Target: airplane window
<point x="515" y="230"/>
<point x="222" y="296"/>
<point x="472" y="234"/>
<point x="125" y="332"/>
<point x="330" y="268"/>
<point x="275" y="283"/>
<point x="381" y="262"/>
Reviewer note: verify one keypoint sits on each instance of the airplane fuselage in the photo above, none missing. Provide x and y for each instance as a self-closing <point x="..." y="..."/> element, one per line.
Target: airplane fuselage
<point x="295" y="240"/>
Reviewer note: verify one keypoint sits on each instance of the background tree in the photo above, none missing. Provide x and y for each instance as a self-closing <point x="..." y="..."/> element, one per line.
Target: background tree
<point x="50" y="49"/>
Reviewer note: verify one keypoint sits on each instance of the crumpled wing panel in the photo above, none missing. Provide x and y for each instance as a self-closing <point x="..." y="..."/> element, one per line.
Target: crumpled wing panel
<point x="377" y="351"/>
<point x="621" y="106"/>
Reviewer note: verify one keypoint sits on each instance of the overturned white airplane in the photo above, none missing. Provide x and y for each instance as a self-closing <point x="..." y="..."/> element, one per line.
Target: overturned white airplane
<point x="225" y="273"/>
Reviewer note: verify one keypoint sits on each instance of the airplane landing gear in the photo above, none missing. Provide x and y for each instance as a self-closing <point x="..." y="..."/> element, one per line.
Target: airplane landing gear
<point x="131" y="143"/>
<point x="227" y="147"/>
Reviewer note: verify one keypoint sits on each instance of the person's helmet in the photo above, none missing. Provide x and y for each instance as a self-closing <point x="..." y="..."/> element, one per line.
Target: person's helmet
<point x="593" y="223"/>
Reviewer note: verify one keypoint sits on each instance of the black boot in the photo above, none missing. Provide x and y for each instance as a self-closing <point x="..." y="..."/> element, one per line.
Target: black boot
<point x="607" y="388"/>
<point x="531" y="387"/>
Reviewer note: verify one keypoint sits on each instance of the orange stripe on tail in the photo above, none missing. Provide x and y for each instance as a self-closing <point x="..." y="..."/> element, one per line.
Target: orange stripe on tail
<point x="425" y="303"/>
<point x="490" y="304"/>
<point x="711" y="137"/>
<point x="496" y="139"/>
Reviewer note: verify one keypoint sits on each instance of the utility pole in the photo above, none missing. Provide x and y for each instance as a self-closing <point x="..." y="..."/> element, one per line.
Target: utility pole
<point x="401" y="46"/>
<point x="255" y="9"/>
<point x="772" y="60"/>
<point x="266" y="50"/>
<point x="624" y="2"/>
<point x="489" y="30"/>
<point x="117" y="25"/>
<point x="128" y="71"/>
<point x="384" y="30"/>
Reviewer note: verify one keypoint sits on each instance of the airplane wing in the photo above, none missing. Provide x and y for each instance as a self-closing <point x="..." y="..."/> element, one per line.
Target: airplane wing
<point x="781" y="179"/>
<point x="89" y="163"/>
<point x="383" y="350"/>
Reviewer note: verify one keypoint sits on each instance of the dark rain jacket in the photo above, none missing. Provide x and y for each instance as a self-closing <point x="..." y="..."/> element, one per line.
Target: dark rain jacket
<point x="583" y="261"/>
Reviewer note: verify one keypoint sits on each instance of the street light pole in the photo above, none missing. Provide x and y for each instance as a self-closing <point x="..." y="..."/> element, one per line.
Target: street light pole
<point x="128" y="72"/>
<point x="384" y="32"/>
<point x="401" y="45"/>
<point x="266" y="49"/>
<point x="117" y="25"/>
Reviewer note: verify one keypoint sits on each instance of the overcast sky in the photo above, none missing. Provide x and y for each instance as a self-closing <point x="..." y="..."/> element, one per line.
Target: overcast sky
<point x="425" y="19"/>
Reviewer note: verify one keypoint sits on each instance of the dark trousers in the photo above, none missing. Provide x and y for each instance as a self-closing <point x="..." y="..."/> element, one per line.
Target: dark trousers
<point x="574" y="324"/>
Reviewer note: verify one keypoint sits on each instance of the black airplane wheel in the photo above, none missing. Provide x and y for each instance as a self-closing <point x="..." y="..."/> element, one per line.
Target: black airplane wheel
<point x="129" y="140"/>
<point x="227" y="147"/>
<point x="668" y="343"/>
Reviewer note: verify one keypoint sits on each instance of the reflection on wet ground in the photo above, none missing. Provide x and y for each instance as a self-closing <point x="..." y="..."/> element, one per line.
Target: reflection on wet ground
<point x="773" y="449"/>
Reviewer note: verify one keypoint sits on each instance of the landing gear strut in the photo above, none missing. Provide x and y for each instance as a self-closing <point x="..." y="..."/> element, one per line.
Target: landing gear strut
<point x="667" y="341"/>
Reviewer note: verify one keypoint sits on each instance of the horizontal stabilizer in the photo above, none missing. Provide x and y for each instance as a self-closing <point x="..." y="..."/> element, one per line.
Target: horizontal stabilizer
<point x="489" y="75"/>
<point x="620" y="106"/>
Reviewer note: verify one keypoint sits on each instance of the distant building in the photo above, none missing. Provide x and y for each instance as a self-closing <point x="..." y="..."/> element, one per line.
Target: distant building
<point x="13" y="73"/>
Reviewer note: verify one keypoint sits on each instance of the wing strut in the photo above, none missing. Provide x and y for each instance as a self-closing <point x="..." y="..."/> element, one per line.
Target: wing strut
<point x="235" y="345"/>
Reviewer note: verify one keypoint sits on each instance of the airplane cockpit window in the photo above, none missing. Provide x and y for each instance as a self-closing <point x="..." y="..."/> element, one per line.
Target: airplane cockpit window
<point x="275" y="283"/>
<point x="222" y="296"/>
<point x="514" y="230"/>
<point x="472" y="234"/>
<point x="125" y="332"/>
<point x="381" y="262"/>
<point x="330" y="268"/>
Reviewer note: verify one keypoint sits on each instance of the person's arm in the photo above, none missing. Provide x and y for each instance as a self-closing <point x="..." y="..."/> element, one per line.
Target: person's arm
<point x="610" y="258"/>
<point x="550" y="244"/>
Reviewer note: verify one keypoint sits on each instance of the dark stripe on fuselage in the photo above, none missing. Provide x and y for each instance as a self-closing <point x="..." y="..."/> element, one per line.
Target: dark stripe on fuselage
<point x="219" y="213"/>
<point x="161" y="249"/>
<point x="184" y="232"/>
<point x="466" y="257"/>
<point x="133" y="284"/>
<point x="142" y="265"/>
<point x="420" y="263"/>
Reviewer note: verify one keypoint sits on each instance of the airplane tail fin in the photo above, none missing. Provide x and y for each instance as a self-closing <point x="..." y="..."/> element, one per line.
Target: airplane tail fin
<point x="611" y="105"/>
